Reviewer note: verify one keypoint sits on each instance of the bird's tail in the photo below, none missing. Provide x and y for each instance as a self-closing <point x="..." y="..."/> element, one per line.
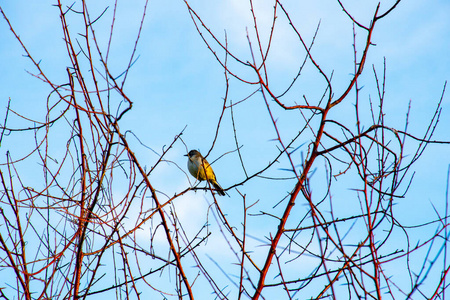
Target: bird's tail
<point x="218" y="188"/>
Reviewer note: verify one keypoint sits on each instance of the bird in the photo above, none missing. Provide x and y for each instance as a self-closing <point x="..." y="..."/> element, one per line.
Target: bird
<point x="199" y="167"/>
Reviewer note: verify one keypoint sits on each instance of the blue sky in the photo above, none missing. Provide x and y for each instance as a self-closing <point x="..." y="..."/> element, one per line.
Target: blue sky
<point x="177" y="82"/>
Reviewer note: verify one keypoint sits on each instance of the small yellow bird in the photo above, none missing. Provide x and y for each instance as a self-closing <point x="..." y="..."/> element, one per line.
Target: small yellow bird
<point x="199" y="167"/>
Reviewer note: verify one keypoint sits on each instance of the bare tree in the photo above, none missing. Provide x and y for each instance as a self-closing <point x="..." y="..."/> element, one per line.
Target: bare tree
<point x="93" y="222"/>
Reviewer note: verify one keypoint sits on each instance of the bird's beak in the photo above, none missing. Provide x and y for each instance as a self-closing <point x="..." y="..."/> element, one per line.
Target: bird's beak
<point x="186" y="155"/>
